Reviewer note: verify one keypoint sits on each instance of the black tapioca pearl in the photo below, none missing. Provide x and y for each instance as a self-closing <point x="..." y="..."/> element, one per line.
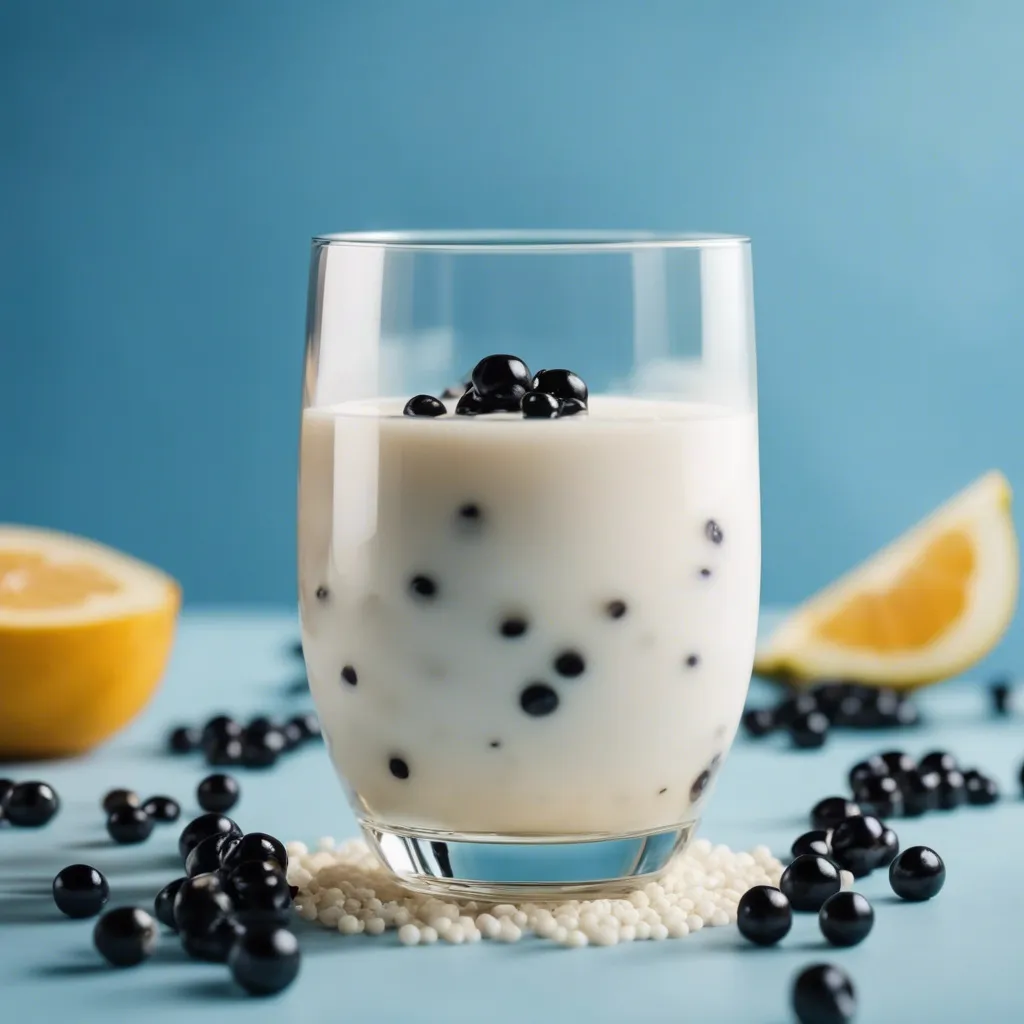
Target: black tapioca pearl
<point x="560" y="383"/>
<point x="570" y="664"/>
<point x="538" y="406"/>
<point x="398" y="767"/>
<point x="349" y="674"/>
<point x="705" y="573"/>
<point x="699" y="785"/>
<point x="692" y="660"/>
<point x="470" y="404"/>
<point x="538" y="699"/>
<point x="570" y="407"/>
<point x="424" y="405"/>
<point x="713" y="532"/>
<point x="423" y="587"/>
<point x="499" y="375"/>
<point x="494" y="744"/>
<point x="615" y="609"/>
<point x="663" y="791"/>
<point x="470" y="514"/>
<point x="513" y="627"/>
<point x="322" y="593"/>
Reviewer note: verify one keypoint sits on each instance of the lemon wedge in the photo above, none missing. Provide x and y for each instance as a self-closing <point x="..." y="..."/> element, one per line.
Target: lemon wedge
<point x="927" y="607"/>
<point x="85" y="634"/>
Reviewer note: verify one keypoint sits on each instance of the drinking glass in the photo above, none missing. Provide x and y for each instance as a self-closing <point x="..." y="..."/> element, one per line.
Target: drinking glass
<point x="529" y="638"/>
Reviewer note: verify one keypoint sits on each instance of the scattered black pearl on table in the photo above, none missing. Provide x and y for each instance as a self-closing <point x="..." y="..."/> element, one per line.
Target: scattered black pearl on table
<point x="128" y="825"/>
<point x="920" y="792"/>
<point x="265" y="961"/>
<point x="952" y="791"/>
<point x="398" y="767"/>
<point x="763" y="915"/>
<point x="872" y="767"/>
<point x="254" y="846"/>
<point x="308" y="724"/>
<point x="120" y="797"/>
<point x="917" y="874"/>
<point x="888" y="847"/>
<point x="937" y="761"/>
<point x="827" y="813"/>
<point x="163" y="904"/>
<point x="79" y="890"/>
<point x="218" y="793"/>
<point x="200" y="828"/>
<point x="31" y="804"/>
<point x="349" y="674"/>
<point x="815" y="843"/>
<point x="424" y="405"/>
<point x="183" y="739"/>
<point x="512" y="627"/>
<point x="262" y="745"/>
<point x="809" y="731"/>
<point x="220" y="727"/>
<point x="215" y="944"/>
<point x="809" y="881"/>
<point x="200" y="903"/>
<point x="879" y="795"/>
<point x="538" y="699"/>
<point x="823" y="994"/>
<point x="537" y="405"/>
<point x="1000" y="693"/>
<point x="856" y="844"/>
<point x="258" y="886"/>
<point x="205" y="857"/>
<point x="758" y="722"/>
<point x="898" y="762"/>
<point x="789" y="710"/>
<point x="846" y="919"/>
<point x="981" y="790"/>
<point x="570" y="664"/>
<point x="423" y="587"/>
<point x="125" y="936"/>
<point x="224" y="753"/>
<point x="164" y="810"/>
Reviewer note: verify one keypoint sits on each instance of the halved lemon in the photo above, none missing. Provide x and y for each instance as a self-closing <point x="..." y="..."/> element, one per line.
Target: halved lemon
<point x="85" y="634"/>
<point x="927" y="607"/>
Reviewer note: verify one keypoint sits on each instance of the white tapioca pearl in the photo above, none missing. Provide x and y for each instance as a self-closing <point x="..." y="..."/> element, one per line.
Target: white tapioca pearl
<point x="456" y="935"/>
<point x="296" y="849"/>
<point x="375" y="926"/>
<point x="504" y="910"/>
<point x="575" y="939"/>
<point x="519" y="919"/>
<point x="409" y="935"/>
<point x="719" y="918"/>
<point x="307" y="911"/>
<point x="694" y="923"/>
<point x="643" y="931"/>
<point x="627" y="933"/>
<point x="428" y="936"/>
<point x="659" y="932"/>
<point x="639" y="899"/>
<point x="588" y="920"/>
<point x="559" y="934"/>
<point x="678" y="929"/>
<point x="489" y="925"/>
<point x="568" y="921"/>
<point x="509" y="932"/>
<point x="330" y="916"/>
<point x="846" y="879"/>
<point x="605" y="937"/>
<point x="349" y="925"/>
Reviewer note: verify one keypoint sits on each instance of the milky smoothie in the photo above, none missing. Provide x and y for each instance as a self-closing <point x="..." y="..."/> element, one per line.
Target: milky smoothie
<point x="529" y="627"/>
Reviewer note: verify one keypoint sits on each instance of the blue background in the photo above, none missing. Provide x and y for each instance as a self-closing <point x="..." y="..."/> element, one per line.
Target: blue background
<point x="162" y="167"/>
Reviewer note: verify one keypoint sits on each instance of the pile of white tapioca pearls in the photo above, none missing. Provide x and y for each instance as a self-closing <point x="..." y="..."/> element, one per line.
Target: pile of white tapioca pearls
<point x="345" y="887"/>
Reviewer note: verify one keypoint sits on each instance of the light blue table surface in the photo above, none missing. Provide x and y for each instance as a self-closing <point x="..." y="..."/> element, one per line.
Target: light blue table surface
<point x="955" y="959"/>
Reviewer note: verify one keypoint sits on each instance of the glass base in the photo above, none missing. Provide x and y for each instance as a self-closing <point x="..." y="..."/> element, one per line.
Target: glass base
<point x="525" y="868"/>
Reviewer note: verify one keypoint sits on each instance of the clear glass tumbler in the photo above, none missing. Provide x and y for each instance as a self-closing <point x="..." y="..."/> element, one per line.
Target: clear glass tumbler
<point x="529" y="637"/>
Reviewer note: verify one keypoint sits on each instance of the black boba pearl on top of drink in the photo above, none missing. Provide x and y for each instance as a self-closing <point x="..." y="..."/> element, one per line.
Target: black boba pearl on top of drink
<point x="563" y="384"/>
<point x="816" y="843"/>
<point x="920" y="792"/>
<point x="570" y="407"/>
<point x="200" y="828"/>
<point x="763" y="915"/>
<point x="424" y="405"/>
<point x="809" y="881"/>
<point x="500" y="375"/>
<point x="829" y="812"/>
<point x="79" y="890"/>
<point x="470" y="404"/>
<point x="537" y="405"/>
<point x="824" y="994"/>
<point x="856" y="844"/>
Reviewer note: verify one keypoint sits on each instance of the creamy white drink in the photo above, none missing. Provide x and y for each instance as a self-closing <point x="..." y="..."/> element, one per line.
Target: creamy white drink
<point x="529" y="626"/>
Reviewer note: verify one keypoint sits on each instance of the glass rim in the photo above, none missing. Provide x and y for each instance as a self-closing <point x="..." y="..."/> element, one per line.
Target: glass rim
<point x="521" y="241"/>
